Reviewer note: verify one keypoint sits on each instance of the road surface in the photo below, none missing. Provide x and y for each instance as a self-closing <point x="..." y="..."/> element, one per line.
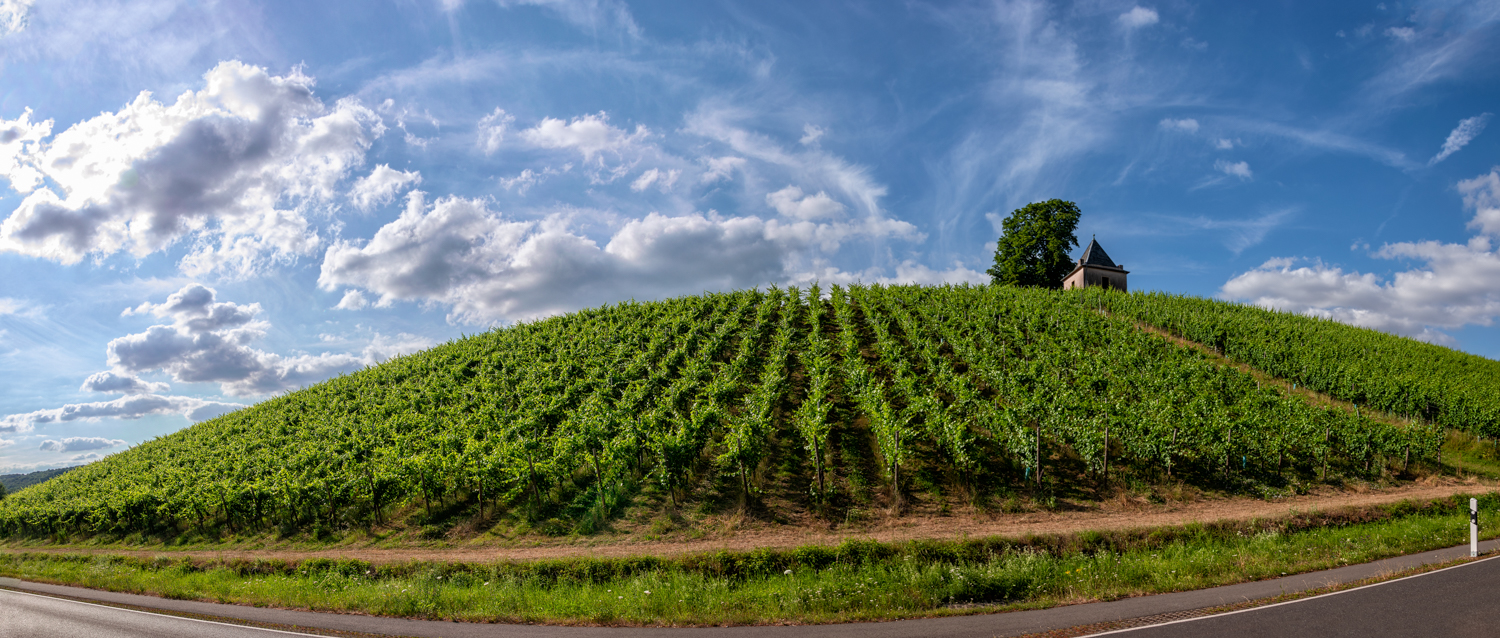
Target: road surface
<point x="1457" y="602"/>
<point x="1448" y="611"/>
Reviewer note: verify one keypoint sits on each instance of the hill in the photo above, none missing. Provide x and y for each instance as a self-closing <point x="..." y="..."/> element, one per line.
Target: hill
<point x="779" y="403"/>
<point x="13" y="482"/>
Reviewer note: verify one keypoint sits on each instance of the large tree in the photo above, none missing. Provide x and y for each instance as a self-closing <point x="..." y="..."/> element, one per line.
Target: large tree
<point x="1035" y="245"/>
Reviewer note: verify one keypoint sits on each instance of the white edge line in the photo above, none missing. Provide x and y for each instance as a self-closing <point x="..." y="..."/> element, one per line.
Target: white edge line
<point x="160" y="615"/>
<point x="1288" y="602"/>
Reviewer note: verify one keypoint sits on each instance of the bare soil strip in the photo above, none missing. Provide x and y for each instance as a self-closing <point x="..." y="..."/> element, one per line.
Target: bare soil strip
<point x="1114" y="515"/>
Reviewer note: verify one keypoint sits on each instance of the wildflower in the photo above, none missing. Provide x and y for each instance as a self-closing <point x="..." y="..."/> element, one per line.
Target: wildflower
<point x="648" y="592"/>
<point x="787" y="572"/>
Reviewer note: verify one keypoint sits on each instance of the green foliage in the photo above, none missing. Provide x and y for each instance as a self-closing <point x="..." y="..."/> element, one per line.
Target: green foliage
<point x="856" y="580"/>
<point x="12" y="483"/>
<point x="1035" y="244"/>
<point x="1400" y="377"/>
<point x="562" y="424"/>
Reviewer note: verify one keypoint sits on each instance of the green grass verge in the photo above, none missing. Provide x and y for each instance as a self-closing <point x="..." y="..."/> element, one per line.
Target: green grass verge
<point x="852" y="581"/>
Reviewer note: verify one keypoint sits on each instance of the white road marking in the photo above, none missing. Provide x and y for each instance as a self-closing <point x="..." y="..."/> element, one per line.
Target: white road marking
<point x="1289" y="602"/>
<point x="159" y="615"/>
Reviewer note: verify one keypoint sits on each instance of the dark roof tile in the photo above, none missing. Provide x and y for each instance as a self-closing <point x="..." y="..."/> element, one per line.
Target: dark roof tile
<point x="1095" y="256"/>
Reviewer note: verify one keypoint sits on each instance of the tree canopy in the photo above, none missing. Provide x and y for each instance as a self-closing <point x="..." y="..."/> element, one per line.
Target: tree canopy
<point x="1035" y="244"/>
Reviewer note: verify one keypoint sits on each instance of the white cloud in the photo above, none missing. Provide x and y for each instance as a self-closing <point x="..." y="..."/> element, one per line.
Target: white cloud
<point x="488" y="268"/>
<point x="20" y="139"/>
<point x="492" y="130"/>
<point x="126" y="407"/>
<point x="80" y="444"/>
<point x="593" y="16"/>
<point x="4" y="443"/>
<point x="791" y="202"/>
<point x="1454" y="288"/>
<point x="113" y="382"/>
<point x="381" y="185"/>
<point x="13" y="15"/>
<point x="721" y="168"/>
<point x="84" y="458"/>
<point x="1482" y="194"/>
<point x="528" y="178"/>
<point x="1188" y="125"/>
<point x="811" y="134"/>
<point x="1223" y="144"/>
<point x="850" y="182"/>
<point x="1460" y="137"/>
<point x="525" y="181"/>
<point x="19" y="308"/>
<point x="1328" y="140"/>
<point x="663" y="179"/>
<point x="208" y="342"/>
<point x="353" y="300"/>
<point x="1404" y="34"/>
<point x="1234" y="169"/>
<point x="589" y="135"/>
<point x="1139" y="17"/>
<point x="217" y="166"/>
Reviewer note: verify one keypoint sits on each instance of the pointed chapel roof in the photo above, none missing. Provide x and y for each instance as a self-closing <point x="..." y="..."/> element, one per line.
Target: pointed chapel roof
<point x="1094" y="255"/>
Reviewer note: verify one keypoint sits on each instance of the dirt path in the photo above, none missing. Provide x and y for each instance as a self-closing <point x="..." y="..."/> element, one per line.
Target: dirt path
<point x="1109" y="516"/>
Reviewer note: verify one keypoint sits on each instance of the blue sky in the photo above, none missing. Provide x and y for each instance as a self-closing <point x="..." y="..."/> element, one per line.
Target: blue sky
<point x="204" y="204"/>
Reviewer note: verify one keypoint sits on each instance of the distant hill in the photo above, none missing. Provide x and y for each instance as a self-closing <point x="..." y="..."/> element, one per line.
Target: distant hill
<point x="790" y="404"/>
<point x="13" y="482"/>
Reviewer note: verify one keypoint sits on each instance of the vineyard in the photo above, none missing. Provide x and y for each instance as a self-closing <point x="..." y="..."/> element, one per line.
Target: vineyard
<point x="1400" y="377"/>
<point x="818" y="399"/>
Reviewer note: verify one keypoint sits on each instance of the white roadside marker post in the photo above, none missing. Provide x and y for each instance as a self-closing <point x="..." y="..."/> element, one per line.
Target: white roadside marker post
<point x="1473" y="527"/>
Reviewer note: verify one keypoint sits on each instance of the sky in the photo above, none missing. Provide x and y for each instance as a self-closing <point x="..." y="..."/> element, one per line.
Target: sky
<point x="206" y="204"/>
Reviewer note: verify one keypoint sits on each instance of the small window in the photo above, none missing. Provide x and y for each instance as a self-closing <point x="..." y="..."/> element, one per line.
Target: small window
<point x="1106" y="283"/>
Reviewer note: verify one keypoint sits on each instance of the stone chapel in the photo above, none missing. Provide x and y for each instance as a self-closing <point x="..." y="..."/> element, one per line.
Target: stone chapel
<point x="1095" y="268"/>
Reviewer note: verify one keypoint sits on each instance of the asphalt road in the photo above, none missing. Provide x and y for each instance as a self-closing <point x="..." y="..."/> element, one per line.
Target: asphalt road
<point x="1456" y="602"/>
<point x="22" y="616"/>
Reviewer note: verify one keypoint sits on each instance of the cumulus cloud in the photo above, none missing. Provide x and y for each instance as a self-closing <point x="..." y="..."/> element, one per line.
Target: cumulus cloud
<point x="80" y="444"/>
<point x="208" y="342"/>
<point x="1223" y="144"/>
<point x="1482" y="194"/>
<point x="381" y="185"/>
<point x="1460" y="137"/>
<point x="13" y="15"/>
<point x="84" y="458"/>
<point x="126" y="407"/>
<point x="1188" y="125"/>
<point x="1138" y="17"/>
<point x="590" y="135"/>
<point x="663" y="179"/>
<point x="353" y="300"/>
<point x="492" y="130"/>
<point x="113" y="382"/>
<point x="4" y="443"/>
<point x="232" y="166"/>
<point x="1234" y="169"/>
<point x="792" y="202"/>
<point x="20" y="139"/>
<point x="1454" y="288"/>
<point x="488" y="268"/>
